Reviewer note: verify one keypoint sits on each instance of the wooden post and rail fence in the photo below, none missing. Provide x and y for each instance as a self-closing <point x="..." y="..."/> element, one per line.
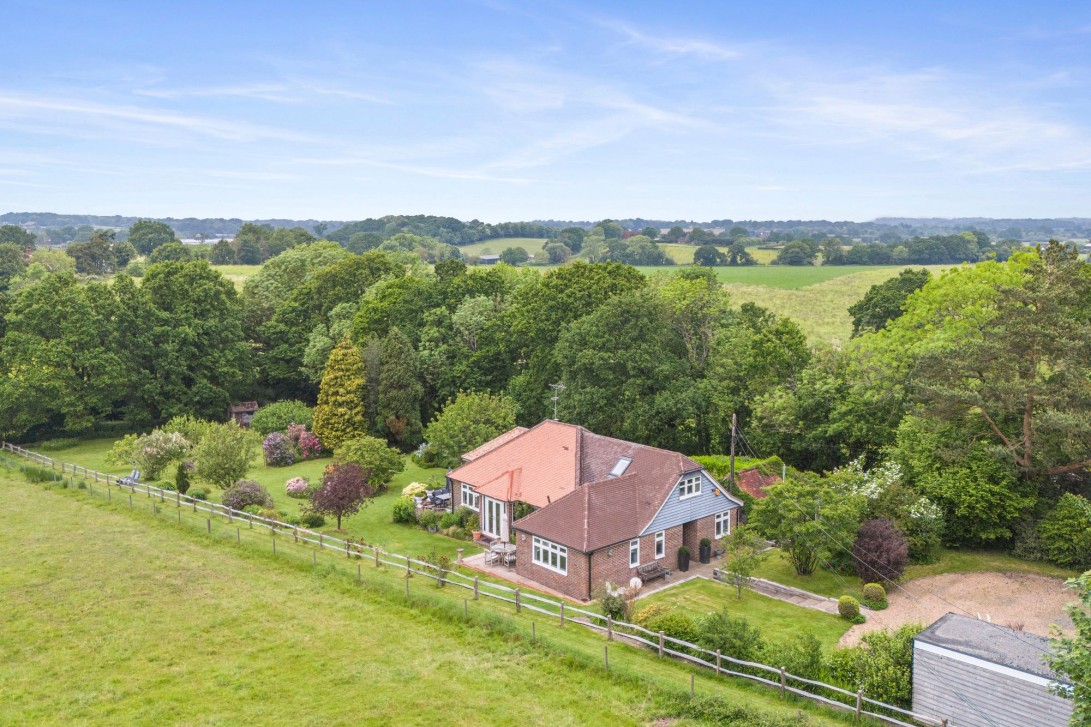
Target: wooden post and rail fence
<point x="658" y="642"/>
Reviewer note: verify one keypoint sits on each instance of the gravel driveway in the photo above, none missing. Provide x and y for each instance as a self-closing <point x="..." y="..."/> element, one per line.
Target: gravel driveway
<point x="1008" y="599"/>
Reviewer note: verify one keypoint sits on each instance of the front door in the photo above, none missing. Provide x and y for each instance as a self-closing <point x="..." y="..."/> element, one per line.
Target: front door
<point x="494" y="521"/>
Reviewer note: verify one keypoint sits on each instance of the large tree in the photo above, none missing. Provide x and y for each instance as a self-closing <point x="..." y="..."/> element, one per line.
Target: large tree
<point x="466" y="423"/>
<point x="1003" y="352"/>
<point x="16" y="235"/>
<point x="340" y="414"/>
<point x="199" y="361"/>
<point x="400" y="391"/>
<point x="809" y="521"/>
<point x="886" y="301"/>
<point x="146" y="235"/>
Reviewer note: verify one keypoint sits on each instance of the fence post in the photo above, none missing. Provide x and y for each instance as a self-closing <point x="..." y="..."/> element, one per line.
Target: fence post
<point x="717" y="661"/>
<point x="320" y="545"/>
<point x="238" y="534"/>
<point x="562" y="613"/>
<point x="274" y="536"/>
<point x="783" y="681"/>
<point x="691" y="685"/>
<point x="606" y="655"/>
<point x="177" y="498"/>
<point x="609" y="628"/>
<point x="179" y="516"/>
<point x="208" y="522"/>
<point x="314" y="558"/>
<point x="130" y="501"/>
<point x="661" y="635"/>
<point x="348" y="553"/>
<point x="465" y="608"/>
<point x="295" y="533"/>
<point x="859" y="702"/>
<point x="359" y="578"/>
<point x="475" y="588"/>
<point x="518" y="604"/>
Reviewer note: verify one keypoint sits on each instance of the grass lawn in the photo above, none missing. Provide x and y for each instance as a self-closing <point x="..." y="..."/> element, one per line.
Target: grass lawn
<point x="373" y="523"/>
<point x="777" y="620"/>
<point x="826" y="583"/>
<point x="778" y="569"/>
<point x="132" y="618"/>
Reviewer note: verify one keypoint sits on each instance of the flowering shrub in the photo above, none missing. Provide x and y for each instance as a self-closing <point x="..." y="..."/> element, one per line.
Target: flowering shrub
<point x="247" y="492"/>
<point x="414" y="489"/>
<point x="306" y="443"/>
<point x="278" y="450"/>
<point x="154" y="452"/>
<point x="297" y="487"/>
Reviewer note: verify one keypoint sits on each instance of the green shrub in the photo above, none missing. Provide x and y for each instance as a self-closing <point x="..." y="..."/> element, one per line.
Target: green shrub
<point x="1065" y="533"/>
<point x="473" y="522"/>
<point x="450" y="520"/>
<point x="614" y="604"/>
<point x="245" y="493"/>
<point x="311" y="520"/>
<point x="181" y="477"/>
<point x="732" y="636"/>
<point x="404" y="511"/>
<point x="277" y="416"/>
<point x="428" y="519"/>
<point x="848" y="607"/>
<point x="56" y="445"/>
<point x="705" y="542"/>
<point x="673" y="622"/>
<point x="198" y="493"/>
<point x="881" y="665"/>
<point x="874" y="596"/>
<point x="800" y="655"/>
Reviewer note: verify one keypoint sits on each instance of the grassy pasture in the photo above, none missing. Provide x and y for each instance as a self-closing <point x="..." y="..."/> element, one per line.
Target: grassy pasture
<point x="237" y="274"/>
<point x="133" y="618"/>
<point x="777" y="620"/>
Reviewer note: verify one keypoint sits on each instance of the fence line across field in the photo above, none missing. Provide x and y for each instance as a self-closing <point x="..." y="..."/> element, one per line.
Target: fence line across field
<point x="567" y="613"/>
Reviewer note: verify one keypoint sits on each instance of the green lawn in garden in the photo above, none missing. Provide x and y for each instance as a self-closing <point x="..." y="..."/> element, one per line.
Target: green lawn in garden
<point x="119" y="616"/>
<point x="778" y="569"/>
<point x="777" y="620"/>
<point x="373" y="523"/>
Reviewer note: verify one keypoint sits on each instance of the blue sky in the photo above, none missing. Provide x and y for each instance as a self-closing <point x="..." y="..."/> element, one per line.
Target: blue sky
<point x="507" y="111"/>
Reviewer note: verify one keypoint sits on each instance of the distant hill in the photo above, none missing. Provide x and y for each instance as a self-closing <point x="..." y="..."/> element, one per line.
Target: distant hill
<point x="61" y="228"/>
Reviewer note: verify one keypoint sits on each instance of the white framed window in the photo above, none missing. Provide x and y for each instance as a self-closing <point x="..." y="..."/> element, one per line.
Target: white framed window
<point x="550" y="555"/>
<point x="723" y="523"/>
<point x="634" y="553"/>
<point x="470" y="498"/>
<point x="493" y="520"/>
<point x="689" y="486"/>
<point x="660" y="543"/>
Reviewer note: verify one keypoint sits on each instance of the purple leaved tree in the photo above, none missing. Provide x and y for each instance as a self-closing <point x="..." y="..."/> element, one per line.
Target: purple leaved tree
<point x="344" y="491"/>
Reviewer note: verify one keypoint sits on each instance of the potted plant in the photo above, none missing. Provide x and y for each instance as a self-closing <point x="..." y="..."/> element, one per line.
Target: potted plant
<point x="706" y="550"/>
<point x="683" y="559"/>
<point x="474" y="524"/>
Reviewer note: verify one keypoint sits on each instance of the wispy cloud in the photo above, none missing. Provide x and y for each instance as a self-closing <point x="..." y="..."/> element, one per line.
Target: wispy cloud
<point x="44" y="109"/>
<point x="294" y="92"/>
<point x="676" y="45"/>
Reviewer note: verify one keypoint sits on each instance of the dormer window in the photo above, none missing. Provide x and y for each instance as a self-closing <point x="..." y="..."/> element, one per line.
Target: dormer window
<point x="620" y="467"/>
<point x="689" y="486"/>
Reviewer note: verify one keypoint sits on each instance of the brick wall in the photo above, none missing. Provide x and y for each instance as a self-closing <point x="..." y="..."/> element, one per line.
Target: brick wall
<point x="702" y="528"/>
<point x="615" y="568"/>
<point x="574" y="584"/>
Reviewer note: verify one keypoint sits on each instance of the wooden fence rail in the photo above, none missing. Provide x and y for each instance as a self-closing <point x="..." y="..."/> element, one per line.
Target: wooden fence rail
<point x="663" y="644"/>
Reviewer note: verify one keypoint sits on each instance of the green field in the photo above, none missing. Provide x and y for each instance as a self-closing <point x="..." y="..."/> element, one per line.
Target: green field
<point x="119" y="616"/>
<point x="237" y="274"/>
<point x="532" y="245"/>
<point x="777" y="620"/>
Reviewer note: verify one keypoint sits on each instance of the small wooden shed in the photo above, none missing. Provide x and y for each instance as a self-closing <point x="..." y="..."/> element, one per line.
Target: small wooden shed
<point x="242" y="412"/>
<point x="974" y="673"/>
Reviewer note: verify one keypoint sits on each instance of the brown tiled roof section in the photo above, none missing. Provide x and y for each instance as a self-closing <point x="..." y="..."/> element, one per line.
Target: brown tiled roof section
<point x="753" y="482"/>
<point x="493" y="444"/>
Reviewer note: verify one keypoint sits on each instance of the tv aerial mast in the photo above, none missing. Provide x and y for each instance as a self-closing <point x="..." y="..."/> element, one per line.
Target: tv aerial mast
<point x="557" y="389"/>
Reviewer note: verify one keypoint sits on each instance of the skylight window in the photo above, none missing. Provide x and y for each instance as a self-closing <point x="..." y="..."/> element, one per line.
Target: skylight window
<point x="621" y="466"/>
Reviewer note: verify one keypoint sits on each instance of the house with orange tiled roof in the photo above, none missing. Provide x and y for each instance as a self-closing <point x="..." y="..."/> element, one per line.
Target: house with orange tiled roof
<point x="583" y="509"/>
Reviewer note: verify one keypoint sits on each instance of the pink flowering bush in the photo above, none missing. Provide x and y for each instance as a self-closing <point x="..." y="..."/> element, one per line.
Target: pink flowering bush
<point x="278" y="450"/>
<point x="297" y="487"/>
<point x="306" y="443"/>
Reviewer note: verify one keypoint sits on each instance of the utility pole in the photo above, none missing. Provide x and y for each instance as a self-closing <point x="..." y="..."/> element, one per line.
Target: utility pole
<point x="734" y="429"/>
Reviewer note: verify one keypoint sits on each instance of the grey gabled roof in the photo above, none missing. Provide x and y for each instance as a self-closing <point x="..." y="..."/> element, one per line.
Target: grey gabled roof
<point x="991" y="642"/>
